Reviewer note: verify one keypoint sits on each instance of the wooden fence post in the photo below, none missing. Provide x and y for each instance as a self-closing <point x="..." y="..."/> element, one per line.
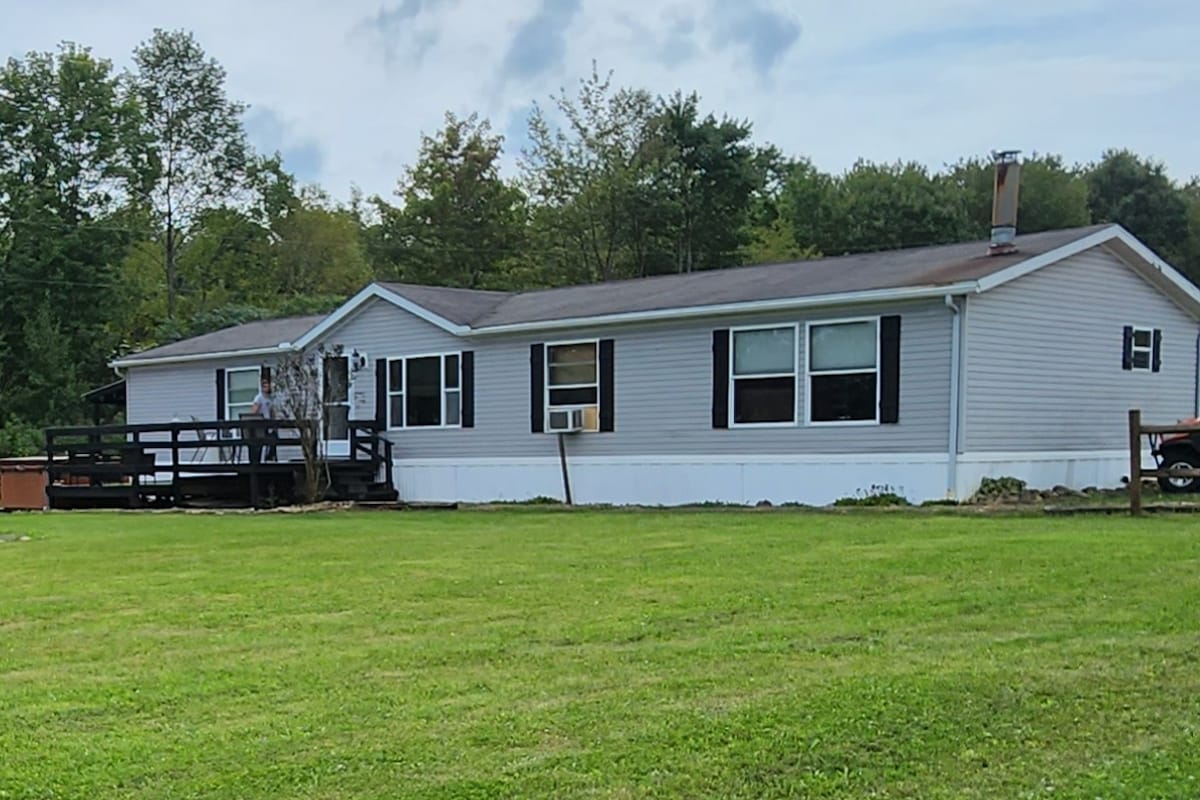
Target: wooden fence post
<point x="1135" y="461"/>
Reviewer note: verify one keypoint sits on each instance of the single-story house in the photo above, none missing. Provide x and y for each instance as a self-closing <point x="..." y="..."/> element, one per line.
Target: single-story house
<point x="920" y="370"/>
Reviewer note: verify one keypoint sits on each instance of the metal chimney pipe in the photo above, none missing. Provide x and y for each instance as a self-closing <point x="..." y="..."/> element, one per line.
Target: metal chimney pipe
<point x="1004" y="202"/>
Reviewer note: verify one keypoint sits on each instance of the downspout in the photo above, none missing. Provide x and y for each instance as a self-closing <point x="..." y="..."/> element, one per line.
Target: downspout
<point x="955" y="370"/>
<point x="1196" y="381"/>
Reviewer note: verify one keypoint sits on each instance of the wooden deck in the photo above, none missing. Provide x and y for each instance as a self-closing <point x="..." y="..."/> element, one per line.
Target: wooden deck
<point x="252" y="463"/>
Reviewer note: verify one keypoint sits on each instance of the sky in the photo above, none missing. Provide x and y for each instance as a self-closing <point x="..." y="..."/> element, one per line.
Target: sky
<point x="345" y="88"/>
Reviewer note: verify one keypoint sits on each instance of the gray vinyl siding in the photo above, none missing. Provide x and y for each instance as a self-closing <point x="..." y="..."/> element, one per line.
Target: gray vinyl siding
<point x="1043" y="359"/>
<point x="176" y="391"/>
<point x="663" y="382"/>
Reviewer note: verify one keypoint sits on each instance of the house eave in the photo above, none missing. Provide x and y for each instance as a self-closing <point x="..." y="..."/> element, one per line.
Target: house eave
<point x="135" y="361"/>
<point x="370" y="292"/>
<point x="1125" y="246"/>
<point x="731" y="309"/>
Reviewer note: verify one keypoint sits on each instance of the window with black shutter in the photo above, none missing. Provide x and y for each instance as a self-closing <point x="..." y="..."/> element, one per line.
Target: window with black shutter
<point x="843" y="371"/>
<point x="1140" y="348"/>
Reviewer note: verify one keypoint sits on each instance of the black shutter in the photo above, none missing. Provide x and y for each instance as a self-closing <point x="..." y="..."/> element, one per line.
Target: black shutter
<point x="220" y="394"/>
<point x="1156" y="354"/>
<point x="264" y="374"/>
<point x="607" y="389"/>
<point x="720" y="387"/>
<point x="381" y="393"/>
<point x="467" y="382"/>
<point x="537" y="386"/>
<point x="1127" y="349"/>
<point x="889" y="369"/>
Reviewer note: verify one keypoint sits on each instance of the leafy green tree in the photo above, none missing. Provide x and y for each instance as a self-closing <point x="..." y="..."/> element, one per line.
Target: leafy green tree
<point x="19" y="438"/>
<point x="70" y="156"/>
<point x="319" y="250"/>
<point x="1137" y="193"/>
<point x="711" y="173"/>
<point x="199" y="144"/>
<point x="228" y="257"/>
<point x="1052" y="195"/>
<point x="460" y="222"/>
<point x="886" y="206"/>
<point x="1187" y="256"/>
<point x="808" y="201"/>
<point x="586" y="178"/>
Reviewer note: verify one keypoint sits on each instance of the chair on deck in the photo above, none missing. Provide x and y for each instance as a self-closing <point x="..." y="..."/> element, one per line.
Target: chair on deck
<point x="224" y="452"/>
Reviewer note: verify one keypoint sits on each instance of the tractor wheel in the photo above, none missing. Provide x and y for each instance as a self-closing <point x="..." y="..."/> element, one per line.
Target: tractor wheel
<point x="1179" y="459"/>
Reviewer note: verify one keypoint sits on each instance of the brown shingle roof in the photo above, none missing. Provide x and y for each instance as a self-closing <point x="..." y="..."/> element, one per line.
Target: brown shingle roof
<point x="460" y="306"/>
<point x="249" y="336"/>
<point x="893" y="269"/>
<point x="941" y="265"/>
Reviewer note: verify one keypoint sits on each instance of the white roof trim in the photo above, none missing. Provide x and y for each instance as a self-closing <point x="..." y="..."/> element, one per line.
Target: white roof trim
<point x="370" y="292"/>
<point x="1045" y="259"/>
<point x="1172" y="275"/>
<point x="778" y="304"/>
<point x="1151" y="262"/>
<point x="137" y="361"/>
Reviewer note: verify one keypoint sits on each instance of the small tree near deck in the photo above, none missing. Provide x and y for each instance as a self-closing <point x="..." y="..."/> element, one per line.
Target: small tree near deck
<point x="299" y="393"/>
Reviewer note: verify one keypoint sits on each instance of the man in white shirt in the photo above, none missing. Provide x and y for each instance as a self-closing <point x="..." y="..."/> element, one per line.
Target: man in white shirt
<point x="264" y="406"/>
<point x="263" y="403"/>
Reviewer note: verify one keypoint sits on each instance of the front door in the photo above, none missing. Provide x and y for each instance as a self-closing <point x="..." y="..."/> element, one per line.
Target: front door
<point x="335" y="394"/>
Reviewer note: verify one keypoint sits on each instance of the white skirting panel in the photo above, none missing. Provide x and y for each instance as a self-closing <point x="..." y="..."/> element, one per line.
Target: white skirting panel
<point x="1075" y="469"/>
<point x="813" y="479"/>
<point x="675" y="480"/>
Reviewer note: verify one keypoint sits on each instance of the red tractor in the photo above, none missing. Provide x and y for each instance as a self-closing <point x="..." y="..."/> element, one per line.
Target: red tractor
<point x="1178" y="451"/>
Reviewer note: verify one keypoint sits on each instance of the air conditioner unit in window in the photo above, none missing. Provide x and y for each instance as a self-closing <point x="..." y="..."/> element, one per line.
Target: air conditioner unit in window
<point x="566" y="421"/>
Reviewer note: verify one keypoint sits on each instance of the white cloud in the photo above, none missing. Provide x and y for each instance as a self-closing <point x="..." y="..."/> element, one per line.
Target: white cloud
<point x="352" y="85"/>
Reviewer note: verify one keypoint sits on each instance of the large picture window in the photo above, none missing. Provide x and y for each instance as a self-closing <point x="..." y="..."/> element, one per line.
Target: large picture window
<point x="425" y="391"/>
<point x="843" y="371"/>
<point x="241" y="387"/>
<point x="763" y="373"/>
<point x="573" y="380"/>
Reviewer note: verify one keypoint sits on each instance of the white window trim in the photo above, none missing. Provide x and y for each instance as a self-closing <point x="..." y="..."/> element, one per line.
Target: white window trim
<point x="229" y="416"/>
<point x="444" y="390"/>
<point x="795" y="376"/>
<point x="1134" y="349"/>
<point x="547" y="407"/>
<point x="808" y="374"/>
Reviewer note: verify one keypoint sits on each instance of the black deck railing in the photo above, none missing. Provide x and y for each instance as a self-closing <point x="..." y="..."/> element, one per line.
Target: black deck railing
<point x="125" y="460"/>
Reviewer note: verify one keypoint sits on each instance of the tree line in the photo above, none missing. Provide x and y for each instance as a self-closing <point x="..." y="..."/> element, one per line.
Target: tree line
<point x="134" y="212"/>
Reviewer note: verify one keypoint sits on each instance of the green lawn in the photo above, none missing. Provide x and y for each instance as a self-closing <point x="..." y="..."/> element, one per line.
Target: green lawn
<point x="548" y="654"/>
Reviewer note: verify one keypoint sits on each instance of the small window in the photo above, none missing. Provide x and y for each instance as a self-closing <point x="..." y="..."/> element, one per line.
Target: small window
<point x="396" y="393"/>
<point x="763" y="371"/>
<point x="843" y="371"/>
<point x="241" y="387"/>
<point x="425" y="392"/>
<point x="1143" y="348"/>
<point x="572" y="380"/>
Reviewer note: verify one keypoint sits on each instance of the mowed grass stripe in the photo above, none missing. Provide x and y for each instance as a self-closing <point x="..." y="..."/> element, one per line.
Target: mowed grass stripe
<point x="598" y="654"/>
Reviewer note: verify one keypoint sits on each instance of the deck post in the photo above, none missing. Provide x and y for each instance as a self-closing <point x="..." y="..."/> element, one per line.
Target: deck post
<point x="174" y="465"/>
<point x="1135" y="462"/>
<point x="254" y="454"/>
<point x="50" y="476"/>
<point x="138" y="452"/>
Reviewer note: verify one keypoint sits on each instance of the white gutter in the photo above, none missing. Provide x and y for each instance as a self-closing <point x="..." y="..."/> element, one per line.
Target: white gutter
<point x="753" y="306"/>
<point x="143" y="362"/>
<point x="955" y="395"/>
